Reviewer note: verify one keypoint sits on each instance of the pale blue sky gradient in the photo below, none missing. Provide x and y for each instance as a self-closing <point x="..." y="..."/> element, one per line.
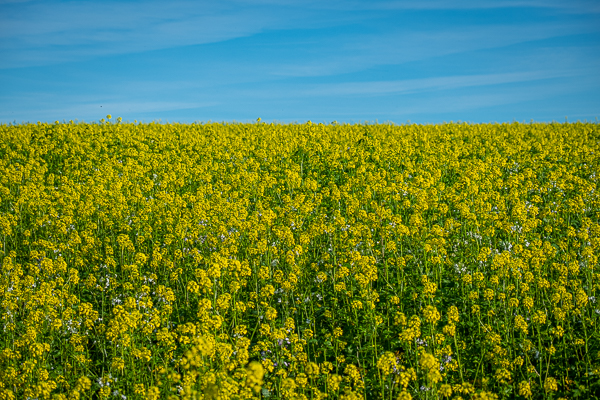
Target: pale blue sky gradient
<point x="427" y="61"/>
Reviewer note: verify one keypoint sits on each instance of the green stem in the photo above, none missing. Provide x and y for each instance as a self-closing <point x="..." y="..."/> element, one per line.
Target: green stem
<point x="462" y="379"/>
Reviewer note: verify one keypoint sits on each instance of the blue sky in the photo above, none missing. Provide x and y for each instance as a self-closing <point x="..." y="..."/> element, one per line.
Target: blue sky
<point x="424" y="61"/>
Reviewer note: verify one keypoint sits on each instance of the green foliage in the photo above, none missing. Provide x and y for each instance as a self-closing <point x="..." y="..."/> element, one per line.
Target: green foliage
<point x="298" y="261"/>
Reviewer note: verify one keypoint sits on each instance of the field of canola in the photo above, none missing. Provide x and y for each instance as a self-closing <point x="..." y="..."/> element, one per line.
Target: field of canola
<point x="305" y="261"/>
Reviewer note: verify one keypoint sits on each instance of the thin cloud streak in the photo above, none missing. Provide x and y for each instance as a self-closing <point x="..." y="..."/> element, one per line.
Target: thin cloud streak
<point x="452" y="103"/>
<point x="75" y="110"/>
<point x="428" y="84"/>
<point x="51" y="33"/>
<point x="47" y="33"/>
<point x="358" y="52"/>
<point x="347" y="5"/>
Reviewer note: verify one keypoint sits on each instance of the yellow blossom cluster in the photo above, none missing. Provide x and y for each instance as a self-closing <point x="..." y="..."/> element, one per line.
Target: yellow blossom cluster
<point x="303" y="261"/>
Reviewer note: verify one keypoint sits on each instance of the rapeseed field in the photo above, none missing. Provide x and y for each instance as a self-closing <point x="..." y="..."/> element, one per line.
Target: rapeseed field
<point x="302" y="261"/>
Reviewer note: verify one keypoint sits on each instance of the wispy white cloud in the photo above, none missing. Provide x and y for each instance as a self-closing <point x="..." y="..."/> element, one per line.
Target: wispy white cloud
<point x="428" y="84"/>
<point x="46" y="32"/>
<point x="91" y="110"/>
<point x="360" y="51"/>
<point x="42" y="32"/>
<point x="458" y="104"/>
<point x="133" y="107"/>
<point x="348" y="5"/>
<point x="3" y="2"/>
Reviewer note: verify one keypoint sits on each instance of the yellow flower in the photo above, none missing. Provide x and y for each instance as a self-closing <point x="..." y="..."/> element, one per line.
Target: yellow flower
<point x="550" y="384"/>
<point x="312" y="369"/>
<point x="192" y="287"/>
<point x="445" y="390"/>
<point x="434" y="376"/>
<point x="503" y="375"/>
<point x="301" y="380"/>
<point x="404" y="395"/>
<point x="449" y="329"/>
<point x="428" y="362"/>
<point x="254" y="377"/>
<point x="539" y="317"/>
<point x="558" y="331"/>
<point x="139" y="388"/>
<point x="271" y="314"/>
<point x="453" y="315"/>
<point x="118" y="364"/>
<point x="387" y="363"/>
<point x="333" y="382"/>
<point x="467" y="279"/>
<point x="488" y="294"/>
<point x="525" y="389"/>
<point x="153" y="393"/>
<point x="105" y="392"/>
<point x="521" y="324"/>
<point x="431" y="314"/>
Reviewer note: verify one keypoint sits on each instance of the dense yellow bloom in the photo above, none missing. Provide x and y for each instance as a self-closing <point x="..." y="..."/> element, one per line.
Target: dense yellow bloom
<point x="268" y="260"/>
<point x="525" y="389"/>
<point x="254" y="379"/>
<point x="550" y="384"/>
<point x="428" y="362"/>
<point x="405" y="377"/>
<point x="404" y="395"/>
<point x="387" y="363"/>
<point x="333" y="382"/>
<point x="453" y="315"/>
<point x="431" y="314"/>
<point x="445" y="390"/>
<point x="521" y="324"/>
